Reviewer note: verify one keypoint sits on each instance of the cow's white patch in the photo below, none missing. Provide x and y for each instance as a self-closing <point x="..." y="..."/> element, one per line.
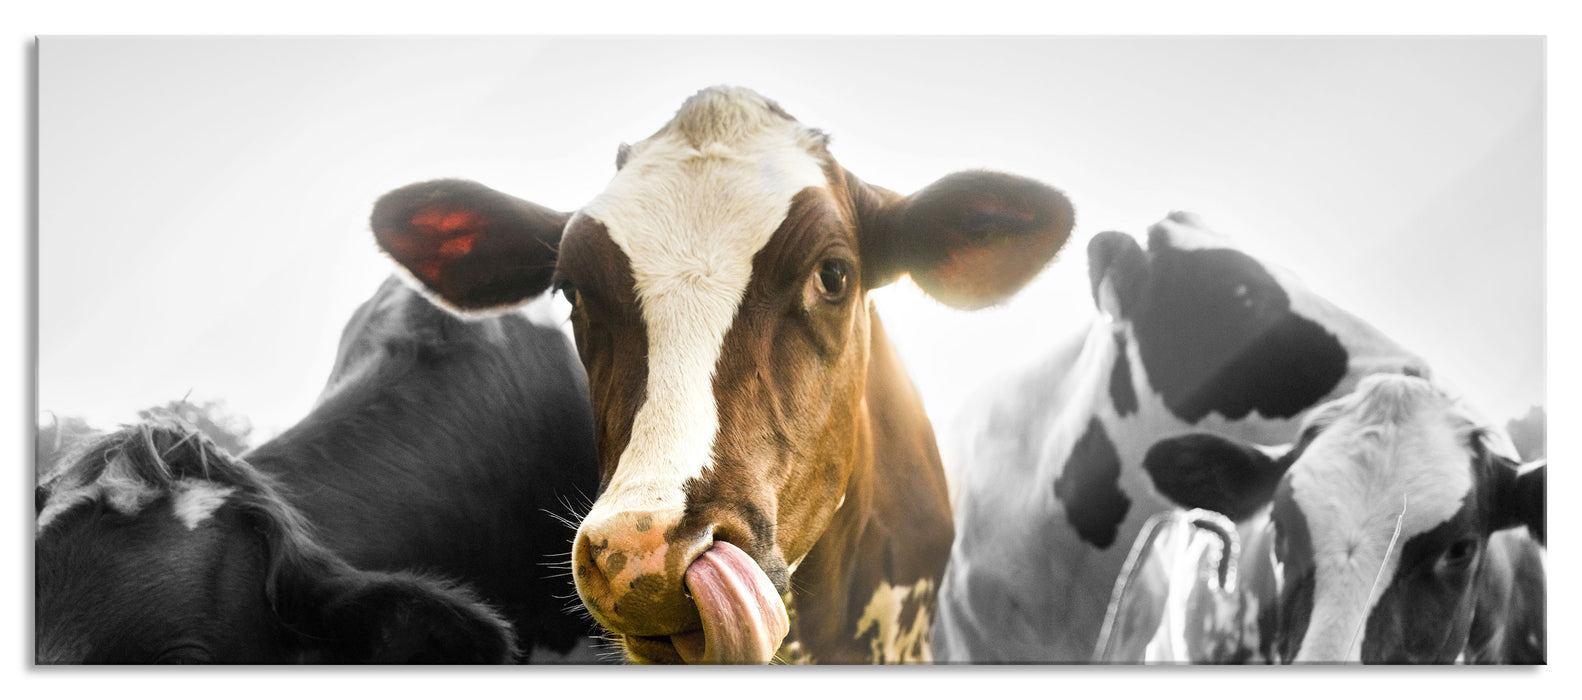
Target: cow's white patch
<point x="60" y="502"/>
<point x="194" y="501"/>
<point x="691" y="207"/>
<point x="896" y="640"/>
<point x="1398" y="441"/>
<point x="117" y="486"/>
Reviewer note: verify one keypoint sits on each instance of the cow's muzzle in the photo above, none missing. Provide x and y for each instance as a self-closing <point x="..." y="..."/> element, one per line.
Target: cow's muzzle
<point x="673" y="597"/>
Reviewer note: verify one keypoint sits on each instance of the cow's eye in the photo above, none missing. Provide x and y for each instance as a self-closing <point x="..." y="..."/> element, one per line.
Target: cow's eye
<point x="833" y="275"/>
<point x="566" y="289"/>
<point x="1459" y="554"/>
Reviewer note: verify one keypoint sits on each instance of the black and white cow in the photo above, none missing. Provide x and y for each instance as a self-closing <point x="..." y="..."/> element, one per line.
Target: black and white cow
<point x="1404" y="530"/>
<point x="1046" y="468"/>
<point x="440" y="445"/>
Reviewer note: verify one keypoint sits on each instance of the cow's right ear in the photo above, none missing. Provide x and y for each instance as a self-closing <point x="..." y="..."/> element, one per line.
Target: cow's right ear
<point x="970" y="240"/>
<point x="1201" y="470"/>
<point x="471" y="247"/>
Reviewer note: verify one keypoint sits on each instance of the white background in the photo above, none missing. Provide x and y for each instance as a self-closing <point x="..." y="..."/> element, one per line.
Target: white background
<point x="205" y="213"/>
<point x="203" y="201"/>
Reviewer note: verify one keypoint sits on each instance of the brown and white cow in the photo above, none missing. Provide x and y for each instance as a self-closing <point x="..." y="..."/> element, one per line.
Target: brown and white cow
<point x="770" y="484"/>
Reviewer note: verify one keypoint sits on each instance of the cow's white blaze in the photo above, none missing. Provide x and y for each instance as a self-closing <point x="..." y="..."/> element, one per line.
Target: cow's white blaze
<point x="194" y="501"/>
<point x="690" y="209"/>
<point x="1396" y="441"/>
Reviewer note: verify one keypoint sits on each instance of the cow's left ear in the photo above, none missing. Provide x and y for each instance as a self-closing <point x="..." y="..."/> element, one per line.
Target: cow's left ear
<point x="1520" y="497"/>
<point x="971" y="239"/>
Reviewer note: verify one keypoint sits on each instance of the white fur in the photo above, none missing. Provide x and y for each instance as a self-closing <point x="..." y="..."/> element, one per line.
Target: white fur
<point x="1351" y="483"/>
<point x="60" y="502"/>
<point x="194" y="501"/>
<point x="116" y="486"/>
<point x="690" y="219"/>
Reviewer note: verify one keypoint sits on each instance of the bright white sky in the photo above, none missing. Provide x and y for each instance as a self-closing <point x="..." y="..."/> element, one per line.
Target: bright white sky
<point x="203" y="202"/>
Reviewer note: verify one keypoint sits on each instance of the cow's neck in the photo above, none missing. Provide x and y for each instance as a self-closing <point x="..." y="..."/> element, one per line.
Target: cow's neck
<point x="1045" y="595"/>
<point x="866" y="591"/>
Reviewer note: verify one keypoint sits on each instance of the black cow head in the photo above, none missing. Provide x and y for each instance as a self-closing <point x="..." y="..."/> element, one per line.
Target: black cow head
<point x="155" y="546"/>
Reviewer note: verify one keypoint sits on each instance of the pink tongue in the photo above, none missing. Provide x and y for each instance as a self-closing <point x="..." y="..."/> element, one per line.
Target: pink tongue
<point x="743" y="617"/>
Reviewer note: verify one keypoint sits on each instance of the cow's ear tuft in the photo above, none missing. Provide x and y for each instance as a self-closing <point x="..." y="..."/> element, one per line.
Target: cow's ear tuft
<point x="1202" y="470"/>
<point x="471" y="247"/>
<point x="970" y="239"/>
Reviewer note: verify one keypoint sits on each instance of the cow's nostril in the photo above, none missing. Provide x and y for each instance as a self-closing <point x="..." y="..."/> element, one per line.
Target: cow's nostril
<point x="590" y="577"/>
<point x="636" y="561"/>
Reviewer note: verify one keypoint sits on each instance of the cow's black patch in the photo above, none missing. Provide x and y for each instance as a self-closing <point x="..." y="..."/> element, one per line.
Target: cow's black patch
<point x="1217" y="335"/>
<point x="1122" y="393"/>
<point x="1293" y="547"/>
<point x="1089" y="486"/>
<point x="1425" y="608"/>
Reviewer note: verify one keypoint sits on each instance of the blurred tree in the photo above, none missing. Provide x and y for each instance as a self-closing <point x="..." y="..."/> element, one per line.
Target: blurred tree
<point x="58" y="437"/>
<point x="1530" y="434"/>
<point x="212" y="418"/>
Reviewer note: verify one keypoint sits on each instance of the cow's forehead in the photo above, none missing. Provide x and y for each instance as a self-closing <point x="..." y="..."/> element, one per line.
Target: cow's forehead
<point x="690" y="208"/>
<point x="192" y="501"/>
<point x="723" y="171"/>
<point x="1396" y="439"/>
